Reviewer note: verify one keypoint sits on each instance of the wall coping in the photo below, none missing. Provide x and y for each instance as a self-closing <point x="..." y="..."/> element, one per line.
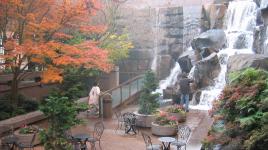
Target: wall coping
<point x="28" y="118"/>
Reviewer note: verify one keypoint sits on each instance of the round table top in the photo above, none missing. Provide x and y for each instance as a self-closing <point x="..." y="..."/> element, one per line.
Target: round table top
<point x="166" y="139"/>
<point x="82" y="136"/>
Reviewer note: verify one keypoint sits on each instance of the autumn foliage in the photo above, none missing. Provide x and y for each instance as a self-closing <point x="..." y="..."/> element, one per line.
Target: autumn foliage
<point x="34" y="31"/>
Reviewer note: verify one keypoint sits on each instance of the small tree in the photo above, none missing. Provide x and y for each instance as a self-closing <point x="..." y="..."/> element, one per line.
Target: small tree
<point x="148" y="101"/>
<point x="61" y="113"/>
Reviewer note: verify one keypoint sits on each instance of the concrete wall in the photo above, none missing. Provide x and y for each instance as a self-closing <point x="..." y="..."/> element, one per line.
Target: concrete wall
<point x="37" y="91"/>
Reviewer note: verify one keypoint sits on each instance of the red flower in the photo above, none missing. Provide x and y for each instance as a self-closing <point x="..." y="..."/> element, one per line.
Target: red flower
<point x="172" y="118"/>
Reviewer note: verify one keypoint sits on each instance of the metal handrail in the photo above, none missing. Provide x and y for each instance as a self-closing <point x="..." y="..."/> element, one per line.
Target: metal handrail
<point x="125" y="85"/>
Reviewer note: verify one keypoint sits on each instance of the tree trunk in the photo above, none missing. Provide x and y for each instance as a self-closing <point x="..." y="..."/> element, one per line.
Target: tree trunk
<point x="15" y="91"/>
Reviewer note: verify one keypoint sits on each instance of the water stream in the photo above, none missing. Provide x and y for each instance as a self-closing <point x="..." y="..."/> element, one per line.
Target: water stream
<point x="240" y="23"/>
<point x="156" y="34"/>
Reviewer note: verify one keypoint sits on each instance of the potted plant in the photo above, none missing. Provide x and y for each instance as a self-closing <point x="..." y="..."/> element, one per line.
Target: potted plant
<point x="26" y="133"/>
<point x="148" y="101"/>
<point x="178" y="112"/>
<point x="164" y="125"/>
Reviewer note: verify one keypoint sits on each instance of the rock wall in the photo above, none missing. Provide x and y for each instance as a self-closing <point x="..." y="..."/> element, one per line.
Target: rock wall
<point x="164" y="33"/>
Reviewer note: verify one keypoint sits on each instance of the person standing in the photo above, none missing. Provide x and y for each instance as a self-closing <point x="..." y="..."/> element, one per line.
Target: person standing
<point x="93" y="96"/>
<point x="185" y="90"/>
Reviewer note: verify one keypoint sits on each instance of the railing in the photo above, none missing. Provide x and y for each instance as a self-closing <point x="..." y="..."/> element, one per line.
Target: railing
<point x="125" y="90"/>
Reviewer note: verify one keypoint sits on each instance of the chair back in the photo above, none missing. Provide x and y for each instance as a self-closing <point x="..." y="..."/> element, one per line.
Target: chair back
<point x="98" y="130"/>
<point x="184" y="132"/>
<point x="147" y="139"/>
<point x="129" y="118"/>
<point x="119" y="116"/>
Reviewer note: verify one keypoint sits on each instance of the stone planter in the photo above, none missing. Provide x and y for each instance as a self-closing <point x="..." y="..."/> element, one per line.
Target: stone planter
<point x="180" y="116"/>
<point x="144" y="120"/>
<point x="163" y="130"/>
<point x="27" y="137"/>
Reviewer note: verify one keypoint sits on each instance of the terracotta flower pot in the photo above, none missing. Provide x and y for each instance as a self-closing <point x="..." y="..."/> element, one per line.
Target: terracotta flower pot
<point x="144" y="120"/>
<point x="163" y="130"/>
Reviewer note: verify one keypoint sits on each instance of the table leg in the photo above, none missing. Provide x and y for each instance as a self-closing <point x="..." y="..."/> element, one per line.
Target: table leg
<point x="83" y="145"/>
<point x="166" y="147"/>
<point x="133" y="128"/>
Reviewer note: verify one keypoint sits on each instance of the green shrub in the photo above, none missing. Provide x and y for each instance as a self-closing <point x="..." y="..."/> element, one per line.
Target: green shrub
<point x="244" y="107"/>
<point x="29" y="105"/>
<point x="61" y="113"/>
<point x="148" y="101"/>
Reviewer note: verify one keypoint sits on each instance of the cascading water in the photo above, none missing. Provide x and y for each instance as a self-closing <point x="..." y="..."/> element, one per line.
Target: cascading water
<point x="240" y="22"/>
<point x="172" y="78"/>
<point x="156" y="34"/>
<point x="264" y="4"/>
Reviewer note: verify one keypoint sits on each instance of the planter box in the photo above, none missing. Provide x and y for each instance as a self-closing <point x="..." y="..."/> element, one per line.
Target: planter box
<point x="144" y="120"/>
<point x="26" y="138"/>
<point x="180" y="117"/>
<point x="163" y="130"/>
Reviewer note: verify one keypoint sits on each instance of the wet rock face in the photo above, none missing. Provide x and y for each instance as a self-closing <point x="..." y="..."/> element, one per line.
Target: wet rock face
<point x="196" y="97"/>
<point x="241" y="42"/>
<point x="206" y="70"/>
<point x="212" y="39"/>
<point x="164" y="66"/>
<point x="185" y="63"/>
<point x="213" y="16"/>
<point x="242" y="61"/>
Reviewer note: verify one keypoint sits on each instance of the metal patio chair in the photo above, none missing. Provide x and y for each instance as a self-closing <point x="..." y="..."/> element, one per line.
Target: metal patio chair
<point x="120" y="120"/>
<point x="130" y="123"/>
<point x="98" y="131"/>
<point x="184" y="132"/>
<point x="148" y="143"/>
<point x="8" y="138"/>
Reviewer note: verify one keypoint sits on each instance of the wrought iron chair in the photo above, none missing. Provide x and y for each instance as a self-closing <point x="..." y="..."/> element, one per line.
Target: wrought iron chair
<point x="120" y="120"/>
<point x="26" y="144"/>
<point x="130" y="122"/>
<point x="148" y="143"/>
<point x="75" y="143"/>
<point x="184" y="132"/>
<point x="98" y="131"/>
<point x="8" y="138"/>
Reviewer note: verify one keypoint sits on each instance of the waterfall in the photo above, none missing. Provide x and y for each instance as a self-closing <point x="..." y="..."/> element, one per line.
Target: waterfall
<point x="156" y="34"/>
<point x="264" y="3"/>
<point x="172" y="78"/>
<point x="240" y="22"/>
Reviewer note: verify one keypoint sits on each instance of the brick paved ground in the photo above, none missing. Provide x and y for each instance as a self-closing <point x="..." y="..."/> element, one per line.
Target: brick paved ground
<point x="197" y="120"/>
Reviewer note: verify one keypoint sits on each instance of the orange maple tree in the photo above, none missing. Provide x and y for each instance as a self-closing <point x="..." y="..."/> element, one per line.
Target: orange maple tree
<point x="33" y="31"/>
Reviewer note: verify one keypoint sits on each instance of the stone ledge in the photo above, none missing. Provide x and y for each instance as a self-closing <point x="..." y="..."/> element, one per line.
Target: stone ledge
<point x="28" y="118"/>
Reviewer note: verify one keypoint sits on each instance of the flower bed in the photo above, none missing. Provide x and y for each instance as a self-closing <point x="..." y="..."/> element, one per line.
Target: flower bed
<point x="164" y="125"/>
<point x="178" y="112"/>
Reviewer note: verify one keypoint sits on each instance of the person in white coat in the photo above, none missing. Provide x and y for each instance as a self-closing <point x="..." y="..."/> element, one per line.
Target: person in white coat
<point x="93" y="96"/>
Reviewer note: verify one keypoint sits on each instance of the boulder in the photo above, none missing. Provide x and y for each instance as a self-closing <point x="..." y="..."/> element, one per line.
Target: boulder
<point x="241" y="41"/>
<point x="212" y="39"/>
<point x="216" y="15"/>
<point x="206" y="70"/>
<point x="205" y="52"/>
<point x="242" y="61"/>
<point x="169" y="92"/>
<point x="185" y="63"/>
<point x="196" y="97"/>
